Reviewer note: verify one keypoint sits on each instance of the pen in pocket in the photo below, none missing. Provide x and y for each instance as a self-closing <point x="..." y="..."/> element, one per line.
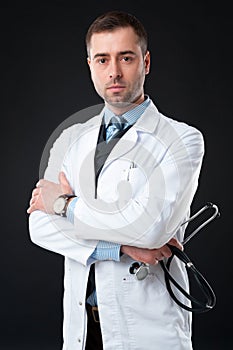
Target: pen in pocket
<point x="132" y="166"/>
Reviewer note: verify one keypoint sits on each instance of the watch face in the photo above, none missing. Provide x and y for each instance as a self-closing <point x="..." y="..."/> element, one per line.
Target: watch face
<point x="59" y="205"/>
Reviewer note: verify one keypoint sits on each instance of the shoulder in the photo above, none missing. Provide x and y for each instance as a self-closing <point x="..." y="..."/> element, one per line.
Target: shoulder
<point x="68" y="134"/>
<point x="178" y="128"/>
<point x="59" y="144"/>
<point x="180" y="125"/>
<point x="183" y="134"/>
<point x="174" y="133"/>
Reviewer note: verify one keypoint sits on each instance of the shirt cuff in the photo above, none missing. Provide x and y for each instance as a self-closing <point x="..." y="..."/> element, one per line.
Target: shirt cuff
<point x="106" y="251"/>
<point x="70" y="210"/>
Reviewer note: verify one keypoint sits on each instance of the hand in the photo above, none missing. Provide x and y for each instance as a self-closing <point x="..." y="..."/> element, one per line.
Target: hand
<point x="45" y="193"/>
<point x="151" y="256"/>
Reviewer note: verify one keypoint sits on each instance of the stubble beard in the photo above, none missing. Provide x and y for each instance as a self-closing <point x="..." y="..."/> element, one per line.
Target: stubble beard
<point x="121" y="102"/>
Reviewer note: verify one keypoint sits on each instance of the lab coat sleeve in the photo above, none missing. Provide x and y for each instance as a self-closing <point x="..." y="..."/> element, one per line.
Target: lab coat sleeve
<point x="56" y="234"/>
<point x="152" y="218"/>
<point x="53" y="232"/>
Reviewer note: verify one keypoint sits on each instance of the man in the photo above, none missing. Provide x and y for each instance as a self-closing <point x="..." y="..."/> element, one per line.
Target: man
<point x="115" y="192"/>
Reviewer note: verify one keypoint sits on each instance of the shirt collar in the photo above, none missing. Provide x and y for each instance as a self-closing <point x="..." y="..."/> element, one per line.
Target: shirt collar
<point x="130" y="116"/>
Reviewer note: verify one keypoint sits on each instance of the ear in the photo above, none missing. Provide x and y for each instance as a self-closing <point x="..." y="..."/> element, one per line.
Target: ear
<point x="88" y="61"/>
<point x="147" y="62"/>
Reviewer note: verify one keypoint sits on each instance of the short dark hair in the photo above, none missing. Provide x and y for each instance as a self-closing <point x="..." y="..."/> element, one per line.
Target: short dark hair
<point x="112" y="20"/>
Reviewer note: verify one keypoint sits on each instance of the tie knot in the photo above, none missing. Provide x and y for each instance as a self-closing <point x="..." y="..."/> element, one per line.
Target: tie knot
<point x="117" y="122"/>
<point x="115" y="125"/>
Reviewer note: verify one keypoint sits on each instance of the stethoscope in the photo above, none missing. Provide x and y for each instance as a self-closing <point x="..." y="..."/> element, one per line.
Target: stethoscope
<point x="141" y="270"/>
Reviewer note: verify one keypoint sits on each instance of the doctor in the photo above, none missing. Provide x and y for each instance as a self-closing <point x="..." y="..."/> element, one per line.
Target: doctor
<point x="116" y="191"/>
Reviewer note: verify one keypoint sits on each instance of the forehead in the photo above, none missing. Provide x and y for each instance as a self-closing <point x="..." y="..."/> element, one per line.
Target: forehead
<point x="112" y="42"/>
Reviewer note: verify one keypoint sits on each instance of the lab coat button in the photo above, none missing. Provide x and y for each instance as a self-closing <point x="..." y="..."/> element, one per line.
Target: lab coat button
<point x="79" y="340"/>
<point x="80" y="303"/>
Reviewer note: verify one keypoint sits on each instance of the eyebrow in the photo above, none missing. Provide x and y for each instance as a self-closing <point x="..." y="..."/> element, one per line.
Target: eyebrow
<point x="127" y="52"/>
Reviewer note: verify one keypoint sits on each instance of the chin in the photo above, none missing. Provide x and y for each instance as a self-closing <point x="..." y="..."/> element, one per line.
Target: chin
<point x="117" y="102"/>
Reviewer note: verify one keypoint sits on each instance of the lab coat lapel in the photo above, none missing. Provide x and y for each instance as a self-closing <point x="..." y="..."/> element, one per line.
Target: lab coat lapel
<point x="87" y="176"/>
<point x="146" y="123"/>
<point x="124" y="145"/>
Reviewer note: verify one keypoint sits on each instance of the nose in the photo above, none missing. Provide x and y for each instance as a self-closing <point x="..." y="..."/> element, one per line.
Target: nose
<point x="115" y="72"/>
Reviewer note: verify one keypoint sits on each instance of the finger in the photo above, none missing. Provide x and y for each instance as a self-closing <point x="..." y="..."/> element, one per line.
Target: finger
<point x="165" y="251"/>
<point x="33" y="200"/>
<point x="36" y="191"/>
<point x="176" y="243"/>
<point x="65" y="186"/>
<point x="159" y="255"/>
<point x="39" y="183"/>
<point x="63" y="180"/>
<point x="31" y="209"/>
<point x="152" y="259"/>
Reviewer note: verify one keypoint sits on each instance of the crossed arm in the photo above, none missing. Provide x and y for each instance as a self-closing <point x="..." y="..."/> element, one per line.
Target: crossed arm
<point x="44" y="195"/>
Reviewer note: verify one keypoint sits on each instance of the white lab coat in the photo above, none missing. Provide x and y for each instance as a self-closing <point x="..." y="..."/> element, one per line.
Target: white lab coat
<point x="144" y="193"/>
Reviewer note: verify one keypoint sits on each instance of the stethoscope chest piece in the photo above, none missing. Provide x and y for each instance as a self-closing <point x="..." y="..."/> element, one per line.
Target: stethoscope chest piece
<point x="139" y="270"/>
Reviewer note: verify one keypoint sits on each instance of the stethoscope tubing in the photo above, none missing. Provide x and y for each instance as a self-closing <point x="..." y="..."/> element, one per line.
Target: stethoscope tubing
<point x="141" y="270"/>
<point x="208" y="205"/>
<point x="197" y="305"/>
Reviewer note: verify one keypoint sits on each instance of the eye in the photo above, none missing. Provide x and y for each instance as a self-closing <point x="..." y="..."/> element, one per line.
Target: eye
<point x="102" y="60"/>
<point x="126" y="59"/>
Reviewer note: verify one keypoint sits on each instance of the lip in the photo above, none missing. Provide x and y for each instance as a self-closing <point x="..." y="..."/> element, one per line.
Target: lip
<point x="116" y="87"/>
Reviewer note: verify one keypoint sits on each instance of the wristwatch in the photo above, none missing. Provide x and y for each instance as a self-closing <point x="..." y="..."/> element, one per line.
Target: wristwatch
<point x="60" y="204"/>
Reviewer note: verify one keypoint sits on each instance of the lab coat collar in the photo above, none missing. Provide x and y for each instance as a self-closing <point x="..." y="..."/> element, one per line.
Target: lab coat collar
<point x="147" y="123"/>
<point x="149" y="119"/>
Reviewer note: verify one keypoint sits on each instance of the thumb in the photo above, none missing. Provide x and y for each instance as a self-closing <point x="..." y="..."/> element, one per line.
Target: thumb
<point x="65" y="186"/>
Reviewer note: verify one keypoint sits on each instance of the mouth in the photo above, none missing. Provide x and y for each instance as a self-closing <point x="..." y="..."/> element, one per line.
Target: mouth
<point x="116" y="88"/>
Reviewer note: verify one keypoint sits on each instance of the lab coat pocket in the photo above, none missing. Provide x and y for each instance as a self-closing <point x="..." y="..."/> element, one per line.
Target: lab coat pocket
<point x="144" y="300"/>
<point x="152" y="285"/>
<point x="139" y="181"/>
<point x="150" y="299"/>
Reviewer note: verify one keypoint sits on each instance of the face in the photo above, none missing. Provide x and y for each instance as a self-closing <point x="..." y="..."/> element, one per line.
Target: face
<point x="118" y="68"/>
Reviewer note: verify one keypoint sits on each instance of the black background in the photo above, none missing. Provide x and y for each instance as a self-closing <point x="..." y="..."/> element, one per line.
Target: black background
<point x="45" y="79"/>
